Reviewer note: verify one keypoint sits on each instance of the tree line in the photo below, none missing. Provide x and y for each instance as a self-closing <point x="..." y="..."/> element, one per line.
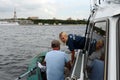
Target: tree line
<point x="51" y="21"/>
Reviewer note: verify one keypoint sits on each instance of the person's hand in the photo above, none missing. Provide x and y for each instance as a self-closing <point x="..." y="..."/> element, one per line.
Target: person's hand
<point x="39" y="65"/>
<point x="43" y="68"/>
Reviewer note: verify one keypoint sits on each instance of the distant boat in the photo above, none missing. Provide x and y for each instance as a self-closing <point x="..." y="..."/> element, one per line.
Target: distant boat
<point x="8" y="23"/>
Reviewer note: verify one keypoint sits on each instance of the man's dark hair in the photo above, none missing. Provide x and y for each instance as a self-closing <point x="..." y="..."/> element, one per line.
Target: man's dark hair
<point x="55" y="43"/>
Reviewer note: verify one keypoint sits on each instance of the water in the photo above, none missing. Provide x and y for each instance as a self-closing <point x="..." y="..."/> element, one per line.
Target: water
<point x="19" y="44"/>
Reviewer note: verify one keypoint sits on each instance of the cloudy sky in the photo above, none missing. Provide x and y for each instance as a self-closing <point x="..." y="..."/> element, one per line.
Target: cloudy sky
<point x="45" y="9"/>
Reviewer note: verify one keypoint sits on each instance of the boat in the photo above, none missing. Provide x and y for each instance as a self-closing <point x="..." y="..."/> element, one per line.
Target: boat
<point x="8" y="23"/>
<point x="103" y="24"/>
<point x="34" y="72"/>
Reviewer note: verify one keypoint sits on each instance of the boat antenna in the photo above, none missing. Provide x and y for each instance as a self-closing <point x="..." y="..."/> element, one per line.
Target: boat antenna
<point x="99" y="1"/>
<point x="88" y="20"/>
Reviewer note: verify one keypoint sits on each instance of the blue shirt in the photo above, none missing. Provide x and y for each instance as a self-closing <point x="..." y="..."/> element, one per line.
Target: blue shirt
<point x="55" y="62"/>
<point x="97" y="72"/>
<point x="75" y="42"/>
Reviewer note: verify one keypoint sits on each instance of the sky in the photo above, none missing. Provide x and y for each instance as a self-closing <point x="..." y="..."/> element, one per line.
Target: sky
<point x="45" y="9"/>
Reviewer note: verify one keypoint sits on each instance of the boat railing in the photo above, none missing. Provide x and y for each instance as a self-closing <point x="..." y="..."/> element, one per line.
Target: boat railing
<point x="77" y="70"/>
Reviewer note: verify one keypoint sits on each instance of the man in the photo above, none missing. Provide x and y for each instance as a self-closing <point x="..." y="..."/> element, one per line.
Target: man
<point x="97" y="70"/>
<point x="73" y="42"/>
<point x="99" y="50"/>
<point x="55" y="62"/>
<point x="95" y="62"/>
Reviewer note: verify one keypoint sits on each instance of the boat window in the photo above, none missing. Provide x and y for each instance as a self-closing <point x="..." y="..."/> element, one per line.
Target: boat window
<point x="100" y="28"/>
<point x="118" y="50"/>
<point x="98" y="36"/>
<point x="97" y="46"/>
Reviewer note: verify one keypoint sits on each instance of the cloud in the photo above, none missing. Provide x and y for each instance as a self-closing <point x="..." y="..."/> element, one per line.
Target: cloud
<point x="44" y="8"/>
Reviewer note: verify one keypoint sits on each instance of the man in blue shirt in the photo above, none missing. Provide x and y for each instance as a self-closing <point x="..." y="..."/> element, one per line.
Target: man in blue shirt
<point x="55" y="62"/>
<point x="97" y="70"/>
<point x="73" y="42"/>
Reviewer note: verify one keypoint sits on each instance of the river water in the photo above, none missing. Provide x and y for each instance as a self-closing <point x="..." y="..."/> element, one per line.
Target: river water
<point x="19" y="44"/>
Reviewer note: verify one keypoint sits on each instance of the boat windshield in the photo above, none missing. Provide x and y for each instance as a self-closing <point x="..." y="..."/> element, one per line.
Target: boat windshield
<point x="115" y="1"/>
<point x="97" y="49"/>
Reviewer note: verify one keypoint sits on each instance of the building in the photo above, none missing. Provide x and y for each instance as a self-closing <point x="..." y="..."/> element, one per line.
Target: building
<point x="33" y="17"/>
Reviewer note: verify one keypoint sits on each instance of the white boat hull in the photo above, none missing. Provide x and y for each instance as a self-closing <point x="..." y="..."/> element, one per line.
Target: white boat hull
<point x="9" y="23"/>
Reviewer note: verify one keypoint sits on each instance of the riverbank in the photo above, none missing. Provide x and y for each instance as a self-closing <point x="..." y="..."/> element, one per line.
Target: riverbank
<point x="24" y="21"/>
<point x="57" y="22"/>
